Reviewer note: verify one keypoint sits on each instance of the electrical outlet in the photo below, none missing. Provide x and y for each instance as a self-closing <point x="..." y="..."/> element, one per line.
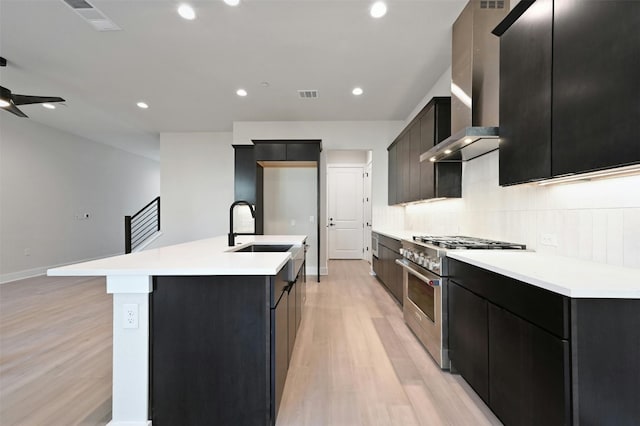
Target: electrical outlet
<point x="293" y="222"/>
<point x="549" y="240"/>
<point x="312" y="219"/>
<point x="130" y="315"/>
<point x="27" y="252"/>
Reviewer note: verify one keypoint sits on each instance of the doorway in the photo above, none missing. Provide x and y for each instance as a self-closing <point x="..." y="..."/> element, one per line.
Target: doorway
<point x="348" y="204"/>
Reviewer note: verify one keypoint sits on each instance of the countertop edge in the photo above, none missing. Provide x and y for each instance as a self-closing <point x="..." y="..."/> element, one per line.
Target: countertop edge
<point x="579" y="293"/>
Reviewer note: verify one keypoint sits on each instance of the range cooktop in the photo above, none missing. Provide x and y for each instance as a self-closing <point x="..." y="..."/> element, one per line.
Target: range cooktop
<point x="461" y="242"/>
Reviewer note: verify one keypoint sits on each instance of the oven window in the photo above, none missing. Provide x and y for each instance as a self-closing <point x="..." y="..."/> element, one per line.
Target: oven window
<point x="421" y="294"/>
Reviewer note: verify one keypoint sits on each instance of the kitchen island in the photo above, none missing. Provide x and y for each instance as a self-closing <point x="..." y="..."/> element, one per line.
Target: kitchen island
<point x="201" y="334"/>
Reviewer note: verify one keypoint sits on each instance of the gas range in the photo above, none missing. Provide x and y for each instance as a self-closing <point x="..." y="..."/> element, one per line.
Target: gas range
<point x="430" y="251"/>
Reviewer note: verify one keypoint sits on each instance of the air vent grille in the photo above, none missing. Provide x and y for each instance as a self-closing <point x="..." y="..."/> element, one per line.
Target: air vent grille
<point x="93" y="16"/>
<point x="307" y="94"/>
<point x="492" y="4"/>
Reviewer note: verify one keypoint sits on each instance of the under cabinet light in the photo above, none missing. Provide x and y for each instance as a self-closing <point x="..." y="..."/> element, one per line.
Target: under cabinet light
<point x="241" y="92"/>
<point x="232" y="2"/>
<point x="602" y="174"/>
<point x="357" y="91"/>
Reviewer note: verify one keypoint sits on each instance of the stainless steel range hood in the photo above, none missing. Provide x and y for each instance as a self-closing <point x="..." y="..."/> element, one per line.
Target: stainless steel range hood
<point x="475" y="77"/>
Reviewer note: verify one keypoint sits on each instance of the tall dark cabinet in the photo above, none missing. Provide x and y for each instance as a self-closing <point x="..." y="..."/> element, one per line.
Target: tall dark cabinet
<point x="411" y="180"/>
<point x="250" y="160"/>
<point x="568" y="88"/>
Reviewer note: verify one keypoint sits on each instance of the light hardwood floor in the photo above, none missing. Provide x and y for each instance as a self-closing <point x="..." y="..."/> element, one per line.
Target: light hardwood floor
<point x="55" y="352"/>
<point x="355" y="362"/>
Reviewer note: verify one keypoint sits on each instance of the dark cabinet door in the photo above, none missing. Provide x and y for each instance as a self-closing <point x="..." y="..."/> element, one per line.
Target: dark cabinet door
<point x="468" y="338"/>
<point x="291" y="318"/>
<point x="299" y="297"/>
<point x="414" y="162"/>
<point x="427" y="141"/>
<point x="404" y="167"/>
<point x="280" y="348"/>
<point x="270" y="151"/>
<point x="595" y="85"/>
<point x="392" y="175"/>
<point x="245" y="168"/>
<point x="397" y="288"/>
<point x="525" y="95"/>
<point x="528" y="372"/>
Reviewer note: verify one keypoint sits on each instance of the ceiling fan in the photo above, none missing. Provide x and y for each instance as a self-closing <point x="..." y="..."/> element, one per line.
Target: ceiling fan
<point x="9" y="101"/>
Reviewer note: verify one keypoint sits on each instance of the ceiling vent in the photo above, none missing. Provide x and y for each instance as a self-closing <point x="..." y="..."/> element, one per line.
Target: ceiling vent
<point x="308" y="94"/>
<point x="93" y="16"/>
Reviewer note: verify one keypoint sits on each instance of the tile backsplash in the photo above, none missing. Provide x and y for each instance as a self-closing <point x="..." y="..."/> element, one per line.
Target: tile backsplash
<point x="593" y="220"/>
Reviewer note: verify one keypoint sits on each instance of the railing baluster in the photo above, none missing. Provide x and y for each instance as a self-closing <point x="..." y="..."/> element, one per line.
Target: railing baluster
<point x="142" y="225"/>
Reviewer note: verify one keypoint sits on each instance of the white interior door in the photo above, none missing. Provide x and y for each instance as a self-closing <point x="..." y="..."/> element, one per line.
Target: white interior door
<point x="345" y="209"/>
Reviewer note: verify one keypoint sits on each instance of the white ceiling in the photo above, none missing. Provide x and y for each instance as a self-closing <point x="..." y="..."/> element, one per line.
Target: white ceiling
<point x="188" y="71"/>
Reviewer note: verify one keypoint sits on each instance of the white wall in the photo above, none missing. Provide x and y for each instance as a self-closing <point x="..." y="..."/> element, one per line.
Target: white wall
<point x="598" y="220"/>
<point x="196" y="185"/>
<point x="349" y="135"/>
<point x="47" y="178"/>
<point x="442" y="87"/>
<point x="289" y="202"/>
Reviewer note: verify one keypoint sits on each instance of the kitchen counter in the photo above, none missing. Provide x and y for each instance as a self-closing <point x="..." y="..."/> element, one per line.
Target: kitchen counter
<point x="185" y="291"/>
<point x="396" y="234"/>
<point x="566" y="276"/>
<point x="209" y="256"/>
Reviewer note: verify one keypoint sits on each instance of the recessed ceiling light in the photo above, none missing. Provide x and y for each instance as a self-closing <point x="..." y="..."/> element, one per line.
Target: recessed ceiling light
<point x="241" y="92"/>
<point x="378" y="9"/>
<point x="49" y="106"/>
<point x="186" y="11"/>
<point x="3" y="103"/>
<point x="232" y="2"/>
<point x="357" y="91"/>
<point x="142" y="105"/>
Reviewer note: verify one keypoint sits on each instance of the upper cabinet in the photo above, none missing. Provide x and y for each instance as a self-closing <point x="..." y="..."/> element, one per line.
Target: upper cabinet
<point x="300" y="150"/>
<point x="411" y="180"/>
<point x="568" y="88"/>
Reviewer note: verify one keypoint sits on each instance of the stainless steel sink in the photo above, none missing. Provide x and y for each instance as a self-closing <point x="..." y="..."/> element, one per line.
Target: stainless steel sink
<point x="293" y="265"/>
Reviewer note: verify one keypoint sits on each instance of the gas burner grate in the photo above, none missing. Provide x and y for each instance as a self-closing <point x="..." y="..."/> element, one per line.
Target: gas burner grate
<point x="462" y="242"/>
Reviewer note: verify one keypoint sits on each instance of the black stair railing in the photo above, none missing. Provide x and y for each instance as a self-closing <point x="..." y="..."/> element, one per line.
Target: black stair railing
<point x="142" y="225"/>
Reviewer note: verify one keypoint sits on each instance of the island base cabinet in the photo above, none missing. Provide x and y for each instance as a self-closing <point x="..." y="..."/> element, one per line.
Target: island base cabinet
<point x="468" y="338"/>
<point x="528" y="381"/>
<point x="212" y="346"/>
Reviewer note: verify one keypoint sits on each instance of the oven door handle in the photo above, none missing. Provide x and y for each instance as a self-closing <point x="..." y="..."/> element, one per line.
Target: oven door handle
<point x="433" y="282"/>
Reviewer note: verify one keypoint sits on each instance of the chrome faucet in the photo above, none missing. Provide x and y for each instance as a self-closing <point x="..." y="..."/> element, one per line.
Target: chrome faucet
<point x="232" y="235"/>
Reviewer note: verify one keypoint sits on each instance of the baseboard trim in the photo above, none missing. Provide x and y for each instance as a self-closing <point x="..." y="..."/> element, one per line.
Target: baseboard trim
<point x="42" y="270"/>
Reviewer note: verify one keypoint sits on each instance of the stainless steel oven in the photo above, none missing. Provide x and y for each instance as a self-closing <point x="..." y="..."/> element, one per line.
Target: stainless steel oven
<point x="424" y="298"/>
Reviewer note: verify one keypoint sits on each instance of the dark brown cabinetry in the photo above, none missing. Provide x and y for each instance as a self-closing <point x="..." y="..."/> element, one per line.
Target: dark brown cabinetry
<point x="537" y="357"/>
<point x="385" y="267"/>
<point x="525" y="96"/>
<point x="409" y="178"/>
<point x="220" y="348"/>
<point x="568" y="94"/>
<point x="468" y="338"/>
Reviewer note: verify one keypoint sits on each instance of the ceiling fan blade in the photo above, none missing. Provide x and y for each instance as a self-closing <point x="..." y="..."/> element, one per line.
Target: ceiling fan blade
<point x="15" y="110"/>
<point x="25" y="100"/>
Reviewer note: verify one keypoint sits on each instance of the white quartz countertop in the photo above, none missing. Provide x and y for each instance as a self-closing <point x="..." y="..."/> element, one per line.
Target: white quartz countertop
<point x="396" y="234"/>
<point x="569" y="277"/>
<point x="209" y="256"/>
